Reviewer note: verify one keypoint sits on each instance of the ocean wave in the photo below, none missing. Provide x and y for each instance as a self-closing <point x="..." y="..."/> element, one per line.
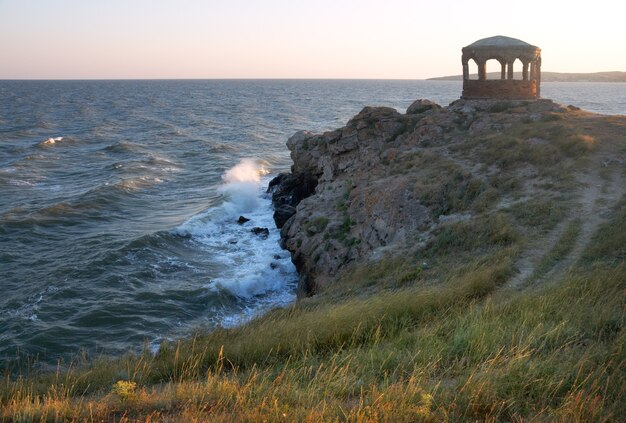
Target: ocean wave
<point x="50" y="141"/>
<point x="103" y="202"/>
<point x="29" y="307"/>
<point x="45" y="124"/>
<point x="124" y="147"/>
<point x="62" y="213"/>
<point x="56" y="141"/>
<point x="130" y="184"/>
<point x="252" y="265"/>
<point x="152" y="162"/>
<point x="222" y="148"/>
<point x="21" y="183"/>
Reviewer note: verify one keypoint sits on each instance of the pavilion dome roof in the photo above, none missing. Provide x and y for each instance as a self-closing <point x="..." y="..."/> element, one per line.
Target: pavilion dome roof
<point x="500" y="41"/>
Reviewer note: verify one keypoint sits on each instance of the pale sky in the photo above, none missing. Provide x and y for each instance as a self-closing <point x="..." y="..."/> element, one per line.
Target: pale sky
<point x="395" y="39"/>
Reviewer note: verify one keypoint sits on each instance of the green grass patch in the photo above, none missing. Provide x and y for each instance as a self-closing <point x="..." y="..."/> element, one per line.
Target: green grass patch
<point x="481" y="233"/>
<point x="608" y="245"/>
<point x="560" y="250"/>
<point x="543" y="213"/>
<point x="514" y="148"/>
<point x="316" y="225"/>
<point x="500" y="107"/>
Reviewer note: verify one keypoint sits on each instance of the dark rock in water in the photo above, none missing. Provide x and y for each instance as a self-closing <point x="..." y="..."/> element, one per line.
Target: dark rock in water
<point x="420" y="106"/>
<point x="282" y="214"/>
<point x="276" y="182"/>
<point x="287" y="191"/>
<point x="262" y="232"/>
<point x="274" y="266"/>
<point x="242" y="220"/>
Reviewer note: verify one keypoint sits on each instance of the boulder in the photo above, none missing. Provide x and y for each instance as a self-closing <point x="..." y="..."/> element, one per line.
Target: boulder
<point x="421" y="106"/>
<point x="261" y="232"/>
<point x="282" y="213"/>
<point x="287" y="191"/>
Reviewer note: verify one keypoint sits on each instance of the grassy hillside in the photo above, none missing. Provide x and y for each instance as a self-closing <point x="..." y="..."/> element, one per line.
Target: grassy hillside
<point x="514" y="314"/>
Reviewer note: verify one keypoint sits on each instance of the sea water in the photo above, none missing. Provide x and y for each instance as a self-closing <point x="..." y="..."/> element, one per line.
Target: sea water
<point x="119" y="201"/>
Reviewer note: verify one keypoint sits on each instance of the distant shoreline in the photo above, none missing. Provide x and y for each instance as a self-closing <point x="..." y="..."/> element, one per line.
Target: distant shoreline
<point x="545" y="77"/>
<point x="551" y="77"/>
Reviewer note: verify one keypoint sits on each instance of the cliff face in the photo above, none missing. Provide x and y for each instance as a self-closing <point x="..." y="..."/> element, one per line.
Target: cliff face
<point x="387" y="180"/>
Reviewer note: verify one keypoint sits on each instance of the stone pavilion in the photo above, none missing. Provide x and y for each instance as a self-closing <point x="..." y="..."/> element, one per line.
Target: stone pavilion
<point x="506" y="51"/>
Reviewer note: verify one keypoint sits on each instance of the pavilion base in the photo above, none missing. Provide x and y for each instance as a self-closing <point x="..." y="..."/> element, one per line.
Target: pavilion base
<point x="502" y="89"/>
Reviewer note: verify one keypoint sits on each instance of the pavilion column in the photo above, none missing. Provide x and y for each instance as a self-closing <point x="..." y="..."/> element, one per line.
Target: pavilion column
<point x="525" y="71"/>
<point x="502" y="70"/>
<point x="510" y="70"/>
<point x="465" y="70"/>
<point x="538" y="76"/>
<point x="482" y="70"/>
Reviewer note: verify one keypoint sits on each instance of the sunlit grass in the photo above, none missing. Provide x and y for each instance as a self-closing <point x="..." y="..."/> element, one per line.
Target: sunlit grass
<point x="500" y="358"/>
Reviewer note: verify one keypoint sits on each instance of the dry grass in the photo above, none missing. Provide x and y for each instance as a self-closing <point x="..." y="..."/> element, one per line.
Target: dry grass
<point x="480" y="357"/>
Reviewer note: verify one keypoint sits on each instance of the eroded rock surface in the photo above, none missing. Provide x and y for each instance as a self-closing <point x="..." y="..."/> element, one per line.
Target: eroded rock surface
<point x="383" y="180"/>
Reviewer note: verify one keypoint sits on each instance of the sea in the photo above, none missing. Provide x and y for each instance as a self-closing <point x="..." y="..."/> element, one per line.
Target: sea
<point x="119" y="201"/>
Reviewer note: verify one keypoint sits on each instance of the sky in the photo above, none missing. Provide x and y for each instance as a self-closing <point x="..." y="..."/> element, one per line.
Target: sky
<point x="386" y="39"/>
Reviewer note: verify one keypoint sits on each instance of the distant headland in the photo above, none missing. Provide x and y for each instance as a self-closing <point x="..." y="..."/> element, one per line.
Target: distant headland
<point x="615" y="76"/>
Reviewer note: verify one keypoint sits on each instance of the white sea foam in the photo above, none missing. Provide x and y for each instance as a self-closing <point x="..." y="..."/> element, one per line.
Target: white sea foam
<point x="247" y="170"/>
<point x="21" y="183"/>
<point x="241" y="186"/>
<point x="28" y="310"/>
<point x="252" y="268"/>
<point x="51" y="141"/>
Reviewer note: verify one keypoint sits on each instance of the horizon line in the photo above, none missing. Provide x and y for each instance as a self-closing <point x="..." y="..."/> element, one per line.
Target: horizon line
<point x="266" y="78"/>
<point x="217" y="79"/>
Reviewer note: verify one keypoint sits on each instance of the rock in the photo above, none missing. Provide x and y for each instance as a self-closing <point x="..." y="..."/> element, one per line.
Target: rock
<point x="372" y="114"/>
<point x="383" y="180"/>
<point x="349" y="142"/>
<point x="304" y="147"/>
<point x="421" y="106"/>
<point x="462" y="106"/>
<point x="372" y="125"/>
<point x="282" y="213"/>
<point x="481" y="124"/>
<point x="426" y="135"/>
<point x="242" y="220"/>
<point x="261" y="232"/>
<point x="287" y="192"/>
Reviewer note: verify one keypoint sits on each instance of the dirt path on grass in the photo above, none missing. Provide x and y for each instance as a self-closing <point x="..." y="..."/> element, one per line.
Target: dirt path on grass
<point x="597" y="196"/>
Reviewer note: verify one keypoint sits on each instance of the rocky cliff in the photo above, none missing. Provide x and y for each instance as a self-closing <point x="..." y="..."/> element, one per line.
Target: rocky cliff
<point x="388" y="180"/>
